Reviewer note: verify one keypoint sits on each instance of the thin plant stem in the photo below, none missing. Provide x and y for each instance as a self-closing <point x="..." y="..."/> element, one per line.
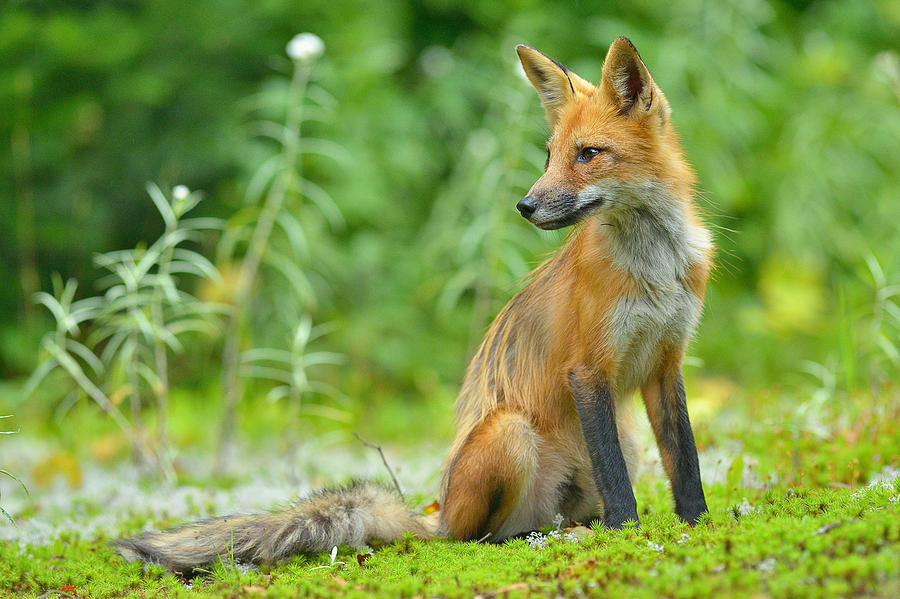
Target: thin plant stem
<point x="231" y="386"/>
<point x="161" y="358"/>
<point x="162" y="393"/>
<point x="139" y="438"/>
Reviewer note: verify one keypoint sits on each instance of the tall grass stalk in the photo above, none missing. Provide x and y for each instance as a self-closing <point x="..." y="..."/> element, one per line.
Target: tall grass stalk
<point x="288" y="179"/>
<point x="160" y="353"/>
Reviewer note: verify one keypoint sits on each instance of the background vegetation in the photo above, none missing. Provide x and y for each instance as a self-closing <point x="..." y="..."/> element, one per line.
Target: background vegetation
<point x="391" y="177"/>
<point x="789" y="112"/>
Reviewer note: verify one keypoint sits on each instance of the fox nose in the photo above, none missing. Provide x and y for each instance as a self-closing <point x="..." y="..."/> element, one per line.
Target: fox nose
<point x="526" y="206"/>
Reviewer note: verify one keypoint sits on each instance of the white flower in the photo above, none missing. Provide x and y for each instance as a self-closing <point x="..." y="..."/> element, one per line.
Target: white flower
<point x="180" y="192"/>
<point x="305" y="47"/>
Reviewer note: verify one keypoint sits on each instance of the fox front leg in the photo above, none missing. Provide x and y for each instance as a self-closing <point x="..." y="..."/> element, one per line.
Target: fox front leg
<point x="595" y="404"/>
<point x="667" y="409"/>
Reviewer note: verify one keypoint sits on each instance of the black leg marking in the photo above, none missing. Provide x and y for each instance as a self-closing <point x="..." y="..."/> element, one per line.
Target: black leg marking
<point x="676" y="438"/>
<point x="596" y="411"/>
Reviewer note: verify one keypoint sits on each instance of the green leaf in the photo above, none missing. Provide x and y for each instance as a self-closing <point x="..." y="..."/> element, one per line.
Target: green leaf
<point x="267" y="354"/>
<point x="324" y="147"/>
<point x="294" y="232"/>
<point x="262" y="179"/>
<point x="324" y="202"/>
<point x="315" y="358"/>
<point x="293" y="274"/>
<point x="85" y="354"/>
<point x="162" y="205"/>
<point x="39" y="374"/>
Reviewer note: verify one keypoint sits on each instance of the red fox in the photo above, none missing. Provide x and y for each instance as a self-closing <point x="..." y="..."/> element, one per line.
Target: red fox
<point x="543" y="425"/>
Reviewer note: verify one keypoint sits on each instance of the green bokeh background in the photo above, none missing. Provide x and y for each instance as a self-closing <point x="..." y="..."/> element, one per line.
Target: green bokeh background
<point x="789" y="111"/>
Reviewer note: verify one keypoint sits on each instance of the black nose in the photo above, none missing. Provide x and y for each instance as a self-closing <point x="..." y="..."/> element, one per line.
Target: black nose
<point x="526" y="206"/>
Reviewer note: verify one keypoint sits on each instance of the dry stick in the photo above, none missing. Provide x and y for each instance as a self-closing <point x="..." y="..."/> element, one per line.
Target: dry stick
<point x="383" y="459"/>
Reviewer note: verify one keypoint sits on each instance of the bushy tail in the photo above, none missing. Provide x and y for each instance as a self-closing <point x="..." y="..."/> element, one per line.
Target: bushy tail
<point x="354" y="516"/>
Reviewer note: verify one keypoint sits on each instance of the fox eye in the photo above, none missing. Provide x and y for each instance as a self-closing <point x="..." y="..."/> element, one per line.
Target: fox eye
<point x="587" y="154"/>
<point x="547" y="162"/>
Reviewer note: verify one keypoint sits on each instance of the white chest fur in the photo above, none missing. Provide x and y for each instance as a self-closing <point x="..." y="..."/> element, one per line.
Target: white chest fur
<point x="641" y="326"/>
<point x="656" y="246"/>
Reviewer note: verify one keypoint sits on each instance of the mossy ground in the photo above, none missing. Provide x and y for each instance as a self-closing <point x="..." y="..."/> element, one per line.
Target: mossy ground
<point x="787" y="543"/>
<point x="796" y="510"/>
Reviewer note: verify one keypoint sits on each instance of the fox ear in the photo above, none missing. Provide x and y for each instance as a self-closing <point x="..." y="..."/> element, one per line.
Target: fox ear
<point x="551" y="80"/>
<point x="628" y="84"/>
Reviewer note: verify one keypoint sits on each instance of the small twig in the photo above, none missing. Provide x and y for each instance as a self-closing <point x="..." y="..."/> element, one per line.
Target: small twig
<point x="484" y="538"/>
<point x="383" y="459"/>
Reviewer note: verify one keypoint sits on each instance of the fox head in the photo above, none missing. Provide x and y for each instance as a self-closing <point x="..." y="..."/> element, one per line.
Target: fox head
<point x="612" y="148"/>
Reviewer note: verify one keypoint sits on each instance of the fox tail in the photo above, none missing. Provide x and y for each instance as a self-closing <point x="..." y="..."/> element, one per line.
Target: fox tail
<point x="353" y="515"/>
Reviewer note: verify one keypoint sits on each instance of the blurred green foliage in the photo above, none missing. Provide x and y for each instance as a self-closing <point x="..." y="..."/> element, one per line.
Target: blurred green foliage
<point x="790" y="112"/>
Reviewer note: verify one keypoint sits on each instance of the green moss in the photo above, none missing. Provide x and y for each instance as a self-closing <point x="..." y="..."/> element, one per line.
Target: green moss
<point x="787" y="545"/>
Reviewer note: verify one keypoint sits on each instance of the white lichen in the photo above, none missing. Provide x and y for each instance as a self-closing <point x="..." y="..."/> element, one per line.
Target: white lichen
<point x="744" y="508"/>
<point x="558" y="520"/>
<point x="655" y="547"/>
<point x="767" y="565"/>
<point x="537" y="540"/>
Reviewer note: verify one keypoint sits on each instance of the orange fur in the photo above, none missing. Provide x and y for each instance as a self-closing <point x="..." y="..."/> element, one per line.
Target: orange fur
<point x="568" y="318"/>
